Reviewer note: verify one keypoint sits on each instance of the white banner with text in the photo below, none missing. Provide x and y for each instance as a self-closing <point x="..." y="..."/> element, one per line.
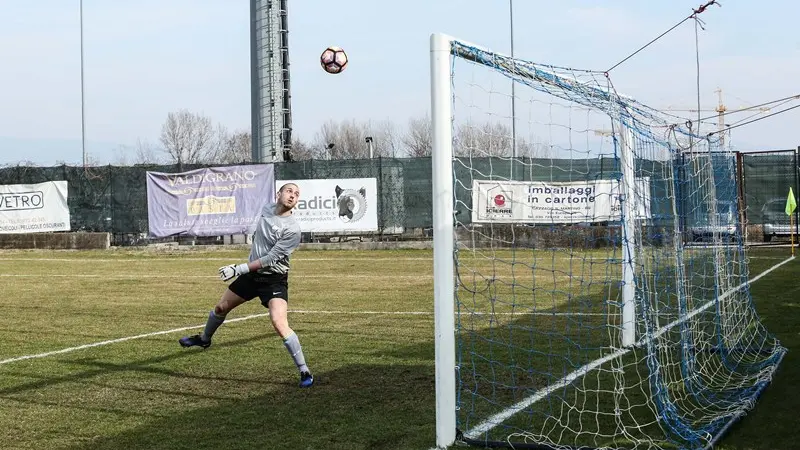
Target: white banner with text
<point x="556" y="202"/>
<point x="34" y="208"/>
<point x="334" y="205"/>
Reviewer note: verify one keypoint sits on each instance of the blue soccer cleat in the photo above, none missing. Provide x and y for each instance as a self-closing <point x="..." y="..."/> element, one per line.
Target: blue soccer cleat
<point x="192" y="341"/>
<point x="306" y="379"/>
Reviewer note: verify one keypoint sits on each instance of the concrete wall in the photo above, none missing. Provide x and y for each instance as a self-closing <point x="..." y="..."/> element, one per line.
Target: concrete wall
<point x="56" y="241"/>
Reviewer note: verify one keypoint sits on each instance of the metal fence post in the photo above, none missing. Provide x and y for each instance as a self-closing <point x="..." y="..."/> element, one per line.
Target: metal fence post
<point x="796" y="185"/>
<point x="111" y="200"/>
<point x="381" y="199"/>
<point x="740" y="194"/>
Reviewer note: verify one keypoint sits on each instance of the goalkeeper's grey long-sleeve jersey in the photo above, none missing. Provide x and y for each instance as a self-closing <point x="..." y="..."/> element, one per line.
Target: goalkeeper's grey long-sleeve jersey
<point x="274" y="239"/>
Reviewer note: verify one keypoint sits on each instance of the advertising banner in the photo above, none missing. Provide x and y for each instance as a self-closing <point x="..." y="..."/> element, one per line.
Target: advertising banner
<point x="545" y="202"/>
<point x="213" y="201"/>
<point x="34" y="208"/>
<point x="331" y="205"/>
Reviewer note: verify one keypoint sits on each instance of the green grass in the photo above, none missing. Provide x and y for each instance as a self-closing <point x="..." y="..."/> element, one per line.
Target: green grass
<point x="373" y="362"/>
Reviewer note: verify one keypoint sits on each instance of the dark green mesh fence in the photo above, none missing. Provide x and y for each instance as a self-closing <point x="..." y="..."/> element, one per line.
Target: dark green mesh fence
<point x="114" y="199"/>
<point x="766" y="179"/>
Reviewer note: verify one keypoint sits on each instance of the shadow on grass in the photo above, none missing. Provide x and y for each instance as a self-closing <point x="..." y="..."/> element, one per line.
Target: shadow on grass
<point x="510" y="358"/>
<point x="100" y="369"/>
<point x="772" y="423"/>
<point x="354" y="407"/>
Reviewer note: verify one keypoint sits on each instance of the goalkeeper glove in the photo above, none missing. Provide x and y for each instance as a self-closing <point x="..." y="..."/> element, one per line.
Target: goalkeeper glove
<point x="233" y="270"/>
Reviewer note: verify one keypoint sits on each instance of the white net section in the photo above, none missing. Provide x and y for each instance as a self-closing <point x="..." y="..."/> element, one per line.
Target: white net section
<point x="602" y="296"/>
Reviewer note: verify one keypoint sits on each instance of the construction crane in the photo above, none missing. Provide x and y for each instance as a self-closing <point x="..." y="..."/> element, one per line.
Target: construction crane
<point x="721" y="110"/>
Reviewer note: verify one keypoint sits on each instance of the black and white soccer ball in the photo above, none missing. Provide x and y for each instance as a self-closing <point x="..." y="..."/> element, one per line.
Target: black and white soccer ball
<point x="333" y="60"/>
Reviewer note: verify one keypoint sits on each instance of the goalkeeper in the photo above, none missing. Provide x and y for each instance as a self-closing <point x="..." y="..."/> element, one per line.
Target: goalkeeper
<point x="265" y="276"/>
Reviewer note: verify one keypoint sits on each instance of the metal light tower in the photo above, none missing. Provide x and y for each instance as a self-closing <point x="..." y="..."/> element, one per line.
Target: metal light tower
<point x="513" y="86"/>
<point x="270" y="102"/>
<point x="83" y="102"/>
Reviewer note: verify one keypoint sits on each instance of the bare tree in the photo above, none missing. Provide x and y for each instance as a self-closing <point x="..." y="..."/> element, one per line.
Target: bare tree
<point x="239" y="146"/>
<point x="142" y="152"/>
<point x="302" y="151"/>
<point x="486" y="139"/>
<point x="215" y="151"/>
<point x="418" y="137"/>
<point x="122" y="155"/>
<point x="347" y="139"/>
<point x="386" y="139"/>
<point x="535" y="149"/>
<point x="231" y="148"/>
<point x="91" y="161"/>
<point x="187" y="138"/>
<point x="146" y="153"/>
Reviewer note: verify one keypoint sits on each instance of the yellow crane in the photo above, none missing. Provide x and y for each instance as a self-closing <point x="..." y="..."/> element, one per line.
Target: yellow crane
<point x="721" y="110"/>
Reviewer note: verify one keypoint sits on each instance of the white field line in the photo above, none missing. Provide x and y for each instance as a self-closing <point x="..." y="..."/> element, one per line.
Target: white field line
<point x="255" y="316"/>
<point x="504" y="415"/>
<point x="173" y="258"/>
<point x="430" y="313"/>
<point x="116" y="276"/>
<point x="339" y="276"/>
<point x="115" y="341"/>
<point x="150" y="259"/>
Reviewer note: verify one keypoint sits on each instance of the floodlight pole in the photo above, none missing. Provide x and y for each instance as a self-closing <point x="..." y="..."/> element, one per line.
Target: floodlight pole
<point x="83" y="102"/>
<point x="513" y="87"/>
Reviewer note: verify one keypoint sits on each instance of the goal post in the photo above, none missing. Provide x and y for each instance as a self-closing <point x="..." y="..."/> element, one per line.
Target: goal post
<point x="626" y="143"/>
<point x="570" y="308"/>
<point x="443" y="232"/>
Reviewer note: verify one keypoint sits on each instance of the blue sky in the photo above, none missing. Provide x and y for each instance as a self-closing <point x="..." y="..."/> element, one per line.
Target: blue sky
<point x="145" y="58"/>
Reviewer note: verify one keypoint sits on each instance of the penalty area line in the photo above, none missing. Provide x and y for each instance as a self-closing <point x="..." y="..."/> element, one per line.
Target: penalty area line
<point x="149" y="259"/>
<point x="115" y="341"/>
<point x="495" y="420"/>
<point x="255" y="316"/>
<point x="208" y="277"/>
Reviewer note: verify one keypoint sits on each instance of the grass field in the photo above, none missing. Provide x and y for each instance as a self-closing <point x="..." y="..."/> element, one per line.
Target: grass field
<point x="365" y="320"/>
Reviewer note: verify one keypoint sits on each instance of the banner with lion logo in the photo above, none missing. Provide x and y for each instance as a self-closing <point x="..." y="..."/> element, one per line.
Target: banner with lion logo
<point x="336" y="205"/>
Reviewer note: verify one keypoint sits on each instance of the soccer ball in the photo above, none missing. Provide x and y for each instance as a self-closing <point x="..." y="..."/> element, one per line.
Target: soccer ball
<point x="333" y="60"/>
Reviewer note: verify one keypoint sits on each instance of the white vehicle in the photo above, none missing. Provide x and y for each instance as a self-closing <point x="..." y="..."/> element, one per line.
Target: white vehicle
<point x="774" y="219"/>
<point x="722" y="224"/>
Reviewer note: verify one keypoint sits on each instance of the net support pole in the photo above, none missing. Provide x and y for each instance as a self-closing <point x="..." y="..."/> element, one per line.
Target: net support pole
<point x="443" y="241"/>
<point x="628" y="237"/>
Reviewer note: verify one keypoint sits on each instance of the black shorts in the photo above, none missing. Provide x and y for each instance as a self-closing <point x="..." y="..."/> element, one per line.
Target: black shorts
<point x="261" y="285"/>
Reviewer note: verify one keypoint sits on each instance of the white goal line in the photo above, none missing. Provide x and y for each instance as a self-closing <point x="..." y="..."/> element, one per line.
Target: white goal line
<point x="504" y="415"/>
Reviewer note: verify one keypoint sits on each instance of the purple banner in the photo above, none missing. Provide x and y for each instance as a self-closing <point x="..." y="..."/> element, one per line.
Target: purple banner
<point x="208" y="202"/>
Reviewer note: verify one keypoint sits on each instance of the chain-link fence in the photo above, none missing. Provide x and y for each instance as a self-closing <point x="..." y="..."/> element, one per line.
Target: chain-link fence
<point x="114" y="199"/>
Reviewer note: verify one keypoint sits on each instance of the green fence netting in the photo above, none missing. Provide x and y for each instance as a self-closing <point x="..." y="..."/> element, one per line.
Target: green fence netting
<point x="114" y="198"/>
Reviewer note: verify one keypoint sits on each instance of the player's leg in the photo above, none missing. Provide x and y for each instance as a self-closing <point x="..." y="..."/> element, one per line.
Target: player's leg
<point x="216" y="316"/>
<point x="278" y="313"/>
<point x="240" y="291"/>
